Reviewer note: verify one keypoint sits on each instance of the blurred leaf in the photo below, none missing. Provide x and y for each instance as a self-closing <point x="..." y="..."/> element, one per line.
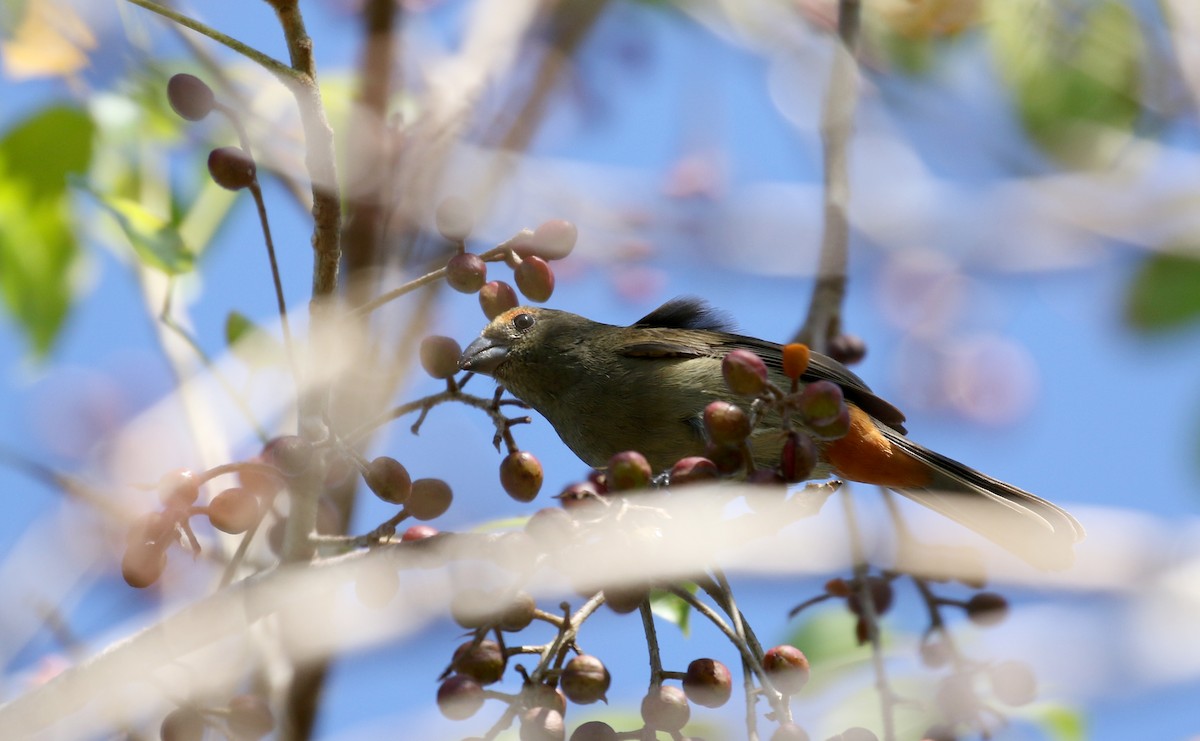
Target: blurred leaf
<point x="50" y="40"/>
<point x="1165" y="293"/>
<point x="46" y="148"/>
<point x="1063" y="723"/>
<point x="671" y="608"/>
<point x="37" y="250"/>
<point x="37" y="245"/>
<point x="827" y="639"/>
<point x="256" y="347"/>
<point x="1074" y="69"/>
<point x="155" y="240"/>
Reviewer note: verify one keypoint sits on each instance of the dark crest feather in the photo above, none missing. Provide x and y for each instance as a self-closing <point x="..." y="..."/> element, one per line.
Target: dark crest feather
<point x="686" y="312"/>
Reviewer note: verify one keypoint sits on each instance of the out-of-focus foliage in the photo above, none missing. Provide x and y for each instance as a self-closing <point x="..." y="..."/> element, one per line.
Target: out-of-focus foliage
<point x="1073" y="69"/>
<point x="37" y="245"/>
<point x="1165" y="292"/>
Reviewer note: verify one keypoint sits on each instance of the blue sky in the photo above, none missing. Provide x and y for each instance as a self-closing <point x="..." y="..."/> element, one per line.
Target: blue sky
<point x="954" y="211"/>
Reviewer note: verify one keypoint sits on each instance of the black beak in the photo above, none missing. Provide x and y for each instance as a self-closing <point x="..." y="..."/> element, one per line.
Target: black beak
<point x="482" y="356"/>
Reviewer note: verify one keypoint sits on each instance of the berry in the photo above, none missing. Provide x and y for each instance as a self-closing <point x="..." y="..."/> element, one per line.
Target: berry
<point x="1013" y="683"/>
<point x="834" y="428"/>
<point x="628" y="470"/>
<point x="727" y="458"/>
<point x="787" y="668"/>
<point x="519" y="613"/>
<point x="182" y="724"/>
<point x="881" y="596"/>
<point x="483" y="661"/>
<point x="625" y="599"/>
<point x="418" y="532"/>
<point x="534" y="278"/>
<point x="820" y="402"/>
<point x="260" y="482"/>
<point x="497" y="297"/>
<point x="179" y="489"/>
<point x="856" y="733"/>
<point x="727" y="424"/>
<point x="795" y="360"/>
<point x="430" y="498"/>
<point x="250" y="717"/>
<point x="472" y="608"/>
<point x="233" y="511"/>
<point x="552" y="240"/>
<point x="847" y="348"/>
<point x="521" y="475"/>
<point x="987" y="608"/>
<point x="789" y="732"/>
<point x="579" y="495"/>
<point x="957" y="700"/>
<point x="665" y="708"/>
<point x="745" y="372"/>
<point x="708" y="683"/>
<point x="594" y="730"/>
<point x="459" y="697"/>
<point x="454" y="219"/>
<point x="799" y="457"/>
<point x="190" y="97"/>
<point x="232" y="168"/>
<point x="542" y="724"/>
<point x="585" y="679"/>
<point x="466" y="272"/>
<point x="692" y="469"/>
<point x="542" y="695"/>
<point x="388" y="479"/>
<point x="440" y="355"/>
<point x="142" y="565"/>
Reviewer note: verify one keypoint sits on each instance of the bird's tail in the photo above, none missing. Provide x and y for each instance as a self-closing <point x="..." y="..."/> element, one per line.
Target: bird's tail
<point x="1039" y="532"/>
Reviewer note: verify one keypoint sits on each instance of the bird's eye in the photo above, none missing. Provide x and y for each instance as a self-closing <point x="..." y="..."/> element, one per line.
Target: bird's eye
<point x="522" y="322"/>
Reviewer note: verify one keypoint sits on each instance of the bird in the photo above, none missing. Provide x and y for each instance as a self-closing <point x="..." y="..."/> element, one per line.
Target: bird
<point x="608" y="388"/>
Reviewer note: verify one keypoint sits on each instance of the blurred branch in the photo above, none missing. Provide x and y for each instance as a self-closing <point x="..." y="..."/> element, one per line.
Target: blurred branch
<point x="824" y="318"/>
<point x="268" y="63"/>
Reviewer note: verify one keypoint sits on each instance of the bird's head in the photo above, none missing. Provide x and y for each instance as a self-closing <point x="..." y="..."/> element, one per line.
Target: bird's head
<point x="522" y="338"/>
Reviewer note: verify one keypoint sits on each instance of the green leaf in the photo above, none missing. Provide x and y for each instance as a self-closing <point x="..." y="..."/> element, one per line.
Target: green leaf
<point x="46" y="148"/>
<point x="37" y="250"/>
<point x="1063" y="723"/>
<point x="671" y="608"/>
<point x="1165" y="292"/>
<point x="828" y="640"/>
<point x="250" y="342"/>
<point x="1074" y="69"/>
<point x="155" y="240"/>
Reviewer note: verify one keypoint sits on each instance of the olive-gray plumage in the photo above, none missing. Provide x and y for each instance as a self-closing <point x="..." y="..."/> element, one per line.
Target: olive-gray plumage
<point x="607" y="389"/>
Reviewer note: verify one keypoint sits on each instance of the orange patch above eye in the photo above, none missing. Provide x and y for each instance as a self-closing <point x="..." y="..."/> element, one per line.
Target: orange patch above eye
<point x="865" y="455"/>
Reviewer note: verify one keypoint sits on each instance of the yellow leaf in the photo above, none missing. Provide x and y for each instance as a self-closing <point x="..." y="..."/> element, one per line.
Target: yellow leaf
<point x="51" y="40"/>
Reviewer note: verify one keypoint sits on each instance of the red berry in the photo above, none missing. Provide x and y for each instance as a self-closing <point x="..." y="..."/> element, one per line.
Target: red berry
<point x="665" y="708"/>
<point x="179" y="489"/>
<point x="727" y="424"/>
<point x="497" y="297"/>
<point x="459" y="697"/>
<point x="521" y="475"/>
<point x="440" y="355"/>
<point x="231" y="168"/>
<point x="799" y="457"/>
<point x="693" y="469"/>
<point x="628" y="470"/>
<point x="234" y="511"/>
<point x="987" y="608"/>
<point x="190" y="97"/>
<point x="535" y="278"/>
<point x="708" y="683"/>
<point x="483" y="661"/>
<point x="820" y="402"/>
<point x="142" y="565"/>
<point x="585" y="680"/>
<point x="388" y="479"/>
<point x="745" y="372"/>
<point x="787" y="668"/>
<point x="552" y="240"/>
<point x="418" y="532"/>
<point x="430" y="498"/>
<point x="466" y="272"/>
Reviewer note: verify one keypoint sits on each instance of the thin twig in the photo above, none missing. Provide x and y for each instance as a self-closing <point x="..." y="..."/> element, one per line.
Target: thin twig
<point x="265" y="61"/>
<point x="823" y="321"/>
